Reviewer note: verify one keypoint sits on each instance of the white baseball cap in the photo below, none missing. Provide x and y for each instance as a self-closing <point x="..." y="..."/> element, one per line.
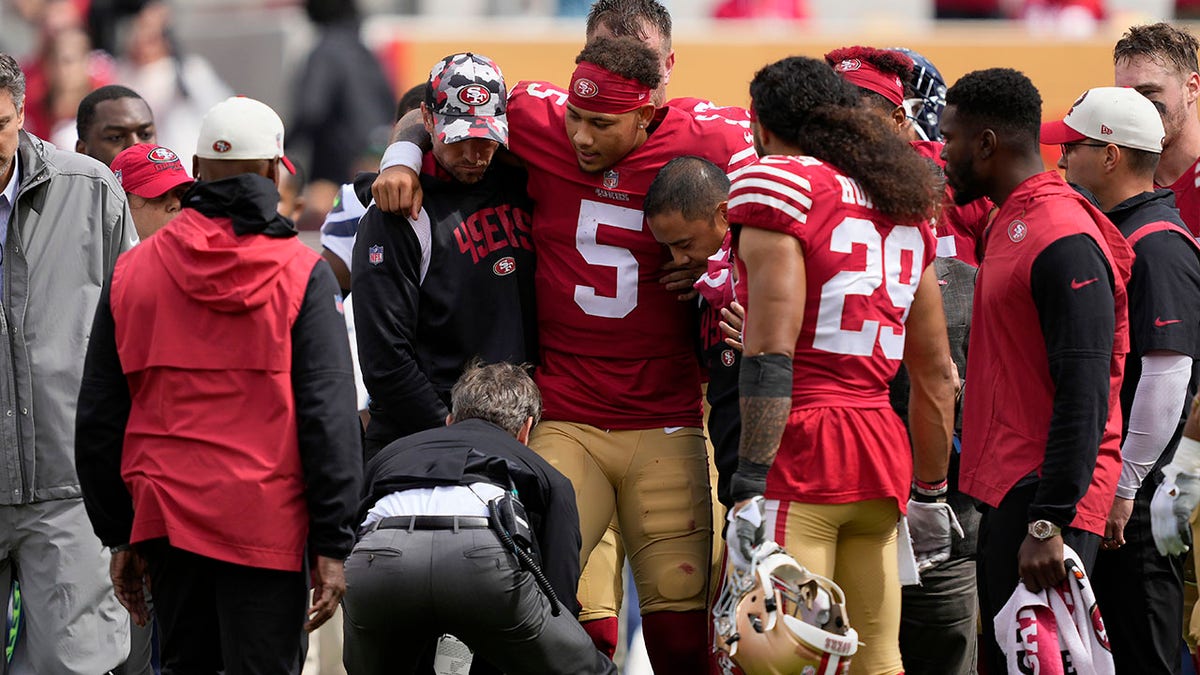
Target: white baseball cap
<point x="1117" y="115"/>
<point x="242" y="128"/>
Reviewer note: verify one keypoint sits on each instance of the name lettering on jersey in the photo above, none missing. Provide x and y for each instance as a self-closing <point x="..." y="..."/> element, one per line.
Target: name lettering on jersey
<point x="558" y="97"/>
<point x="610" y="194"/>
<point x="852" y="192"/>
<point x="493" y="229"/>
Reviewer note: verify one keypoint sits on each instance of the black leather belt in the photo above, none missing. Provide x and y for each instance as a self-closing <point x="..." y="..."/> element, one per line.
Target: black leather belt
<point x="428" y="523"/>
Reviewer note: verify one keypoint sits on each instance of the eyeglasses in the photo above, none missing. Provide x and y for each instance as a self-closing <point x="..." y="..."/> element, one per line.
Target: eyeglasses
<point x="1066" y="147"/>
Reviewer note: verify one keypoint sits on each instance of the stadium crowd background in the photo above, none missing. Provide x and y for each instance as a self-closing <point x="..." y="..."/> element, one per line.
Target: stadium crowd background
<point x="258" y="48"/>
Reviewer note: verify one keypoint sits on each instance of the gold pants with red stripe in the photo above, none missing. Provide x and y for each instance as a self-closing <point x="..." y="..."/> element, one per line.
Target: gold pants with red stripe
<point x="855" y="545"/>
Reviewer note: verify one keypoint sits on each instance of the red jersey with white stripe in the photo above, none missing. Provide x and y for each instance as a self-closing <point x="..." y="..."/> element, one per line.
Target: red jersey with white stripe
<point x="843" y="442"/>
<point x="1187" y="198"/>
<point x="617" y="349"/>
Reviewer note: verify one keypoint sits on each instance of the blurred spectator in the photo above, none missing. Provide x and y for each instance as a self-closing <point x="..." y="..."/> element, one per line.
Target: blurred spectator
<point x="969" y="9"/>
<point x="291" y="193"/>
<point x="1070" y="19"/>
<point x="1187" y="10"/>
<point x="760" y="9"/>
<point x="340" y="97"/>
<point x="179" y="88"/>
<point x="64" y="70"/>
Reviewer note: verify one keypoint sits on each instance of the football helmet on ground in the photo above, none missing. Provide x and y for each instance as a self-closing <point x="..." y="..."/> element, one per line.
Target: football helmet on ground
<point x="778" y="618"/>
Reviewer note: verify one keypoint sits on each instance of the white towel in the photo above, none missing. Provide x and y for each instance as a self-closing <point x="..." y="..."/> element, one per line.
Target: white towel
<point x="1056" y="631"/>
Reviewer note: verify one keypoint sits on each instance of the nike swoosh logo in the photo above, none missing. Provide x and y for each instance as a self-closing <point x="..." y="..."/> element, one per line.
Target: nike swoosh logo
<point x="1076" y="285"/>
<point x="1159" y="323"/>
<point x="670" y="430"/>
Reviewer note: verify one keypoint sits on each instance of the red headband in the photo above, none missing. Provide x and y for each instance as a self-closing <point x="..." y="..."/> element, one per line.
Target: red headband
<point x="862" y="74"/>
<point x="602" y="91"/>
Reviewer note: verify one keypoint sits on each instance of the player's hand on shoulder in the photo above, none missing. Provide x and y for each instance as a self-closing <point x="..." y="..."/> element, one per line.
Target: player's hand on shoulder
<point x="397" y="189"/>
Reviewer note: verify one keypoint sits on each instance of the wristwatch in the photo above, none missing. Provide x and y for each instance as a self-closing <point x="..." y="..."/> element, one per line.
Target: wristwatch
<point x="1043" y="530"/>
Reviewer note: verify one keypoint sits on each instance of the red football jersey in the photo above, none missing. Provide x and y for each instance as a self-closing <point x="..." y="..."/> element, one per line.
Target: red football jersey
<point x="617" y="349"/>
<point x="862" y="272"/>
<point x="1187" y="198"/>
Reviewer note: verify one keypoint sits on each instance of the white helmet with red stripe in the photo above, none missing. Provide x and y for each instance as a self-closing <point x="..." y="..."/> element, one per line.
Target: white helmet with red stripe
<point x="780" y="619"/>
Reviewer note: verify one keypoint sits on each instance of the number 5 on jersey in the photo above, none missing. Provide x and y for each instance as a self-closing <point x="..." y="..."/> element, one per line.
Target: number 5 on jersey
<point x="593" y="216"/>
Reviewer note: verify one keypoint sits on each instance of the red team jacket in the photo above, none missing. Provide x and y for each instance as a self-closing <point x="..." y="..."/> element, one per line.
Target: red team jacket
<point x="1009" y="401"/>
<point x="843" y="442"/>
<point x="617" y="350"/>
<point x="197" y="471"/>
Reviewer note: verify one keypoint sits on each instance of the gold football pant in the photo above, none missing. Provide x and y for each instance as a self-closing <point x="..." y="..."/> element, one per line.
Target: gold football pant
<point x="855" y="545"/>
<point x="656" y="483"/>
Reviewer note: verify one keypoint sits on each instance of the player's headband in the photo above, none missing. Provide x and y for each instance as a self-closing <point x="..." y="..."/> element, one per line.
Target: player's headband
<point x="863" y="74"/>
<point x="602" y="91"/>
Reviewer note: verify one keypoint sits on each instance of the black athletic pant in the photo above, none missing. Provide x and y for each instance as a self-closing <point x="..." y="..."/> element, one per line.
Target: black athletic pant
<point x="215" y="616"/>
<point x="1001" y="532"/>
<point x="1140" y="593"/>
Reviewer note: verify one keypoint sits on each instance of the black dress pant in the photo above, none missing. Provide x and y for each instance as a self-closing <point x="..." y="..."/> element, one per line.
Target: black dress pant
<point x="1140" y="593"/>
<point x="216" y="616"/>
<point x="1001" y="532"/>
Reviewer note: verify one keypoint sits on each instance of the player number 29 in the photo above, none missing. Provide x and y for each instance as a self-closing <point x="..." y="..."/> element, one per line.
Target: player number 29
<point x="593" y="215"/>
<point x="885" y="260"/>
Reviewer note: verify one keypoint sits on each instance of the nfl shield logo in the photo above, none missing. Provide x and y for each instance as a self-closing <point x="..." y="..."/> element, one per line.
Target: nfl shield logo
<point x="375" y="254"/>
<point x="611" y="178"/>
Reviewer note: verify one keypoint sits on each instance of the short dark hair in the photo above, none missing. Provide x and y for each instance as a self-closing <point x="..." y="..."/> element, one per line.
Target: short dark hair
<point x="1166" y="44"/>
<point x="810" y="107"/>
<point x="691" y="186"/>
<point x="625" y="56"/>
<point x="325" y="12"/>
<point x="889" y="61"/>
<point x="12" y="79"/>
<point x="627" y="18"/>
<point x="500" y="393"/>
<point x="86" y="115"/>
<point x="1142" y="162"/>
<point x="1001" y="99"/>
<point x="411" y="100"/>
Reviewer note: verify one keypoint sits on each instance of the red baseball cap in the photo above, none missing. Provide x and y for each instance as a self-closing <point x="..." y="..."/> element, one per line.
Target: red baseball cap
<point x="149" y="171"/>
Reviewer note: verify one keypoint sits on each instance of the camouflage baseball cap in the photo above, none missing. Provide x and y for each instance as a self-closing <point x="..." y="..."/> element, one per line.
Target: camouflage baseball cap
<point x="467" y="97"/>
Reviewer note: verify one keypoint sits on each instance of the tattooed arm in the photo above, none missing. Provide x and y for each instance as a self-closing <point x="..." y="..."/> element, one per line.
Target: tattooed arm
<point x="775" y="278"/>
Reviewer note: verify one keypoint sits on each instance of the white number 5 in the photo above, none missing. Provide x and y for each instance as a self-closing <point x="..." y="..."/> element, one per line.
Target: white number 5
<point x="885" y="260"/>
<point x="592" y="215"/>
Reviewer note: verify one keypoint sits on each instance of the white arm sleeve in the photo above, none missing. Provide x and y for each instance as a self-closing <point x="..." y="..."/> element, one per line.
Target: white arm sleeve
<point x="1153" y="417"/>
<point x="402" y="153"/>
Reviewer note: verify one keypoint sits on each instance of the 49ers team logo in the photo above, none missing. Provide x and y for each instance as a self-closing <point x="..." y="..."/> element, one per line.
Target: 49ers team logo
<point x="221" y="146"/>
<point x="848" y="64"/>
<point x="586" y="88"/>
<point x="727" y="358"/>
<point x="474" y="95"/>
<point x="1017" y="230"/>
<point x="504" y="266"/>
<point x="162" y="156"/>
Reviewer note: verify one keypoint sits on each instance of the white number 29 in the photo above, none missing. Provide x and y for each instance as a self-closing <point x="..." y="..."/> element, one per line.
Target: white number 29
<point x="885" y="258"/>
<point x="593" y="215"/>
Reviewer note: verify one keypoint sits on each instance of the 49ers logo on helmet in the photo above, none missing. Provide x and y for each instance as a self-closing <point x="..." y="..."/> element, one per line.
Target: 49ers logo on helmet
<point x="474" y="95"/>
<point x="504" y="266"/>
<point x="162" y="155"/>
<point x="586" y="88"/>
